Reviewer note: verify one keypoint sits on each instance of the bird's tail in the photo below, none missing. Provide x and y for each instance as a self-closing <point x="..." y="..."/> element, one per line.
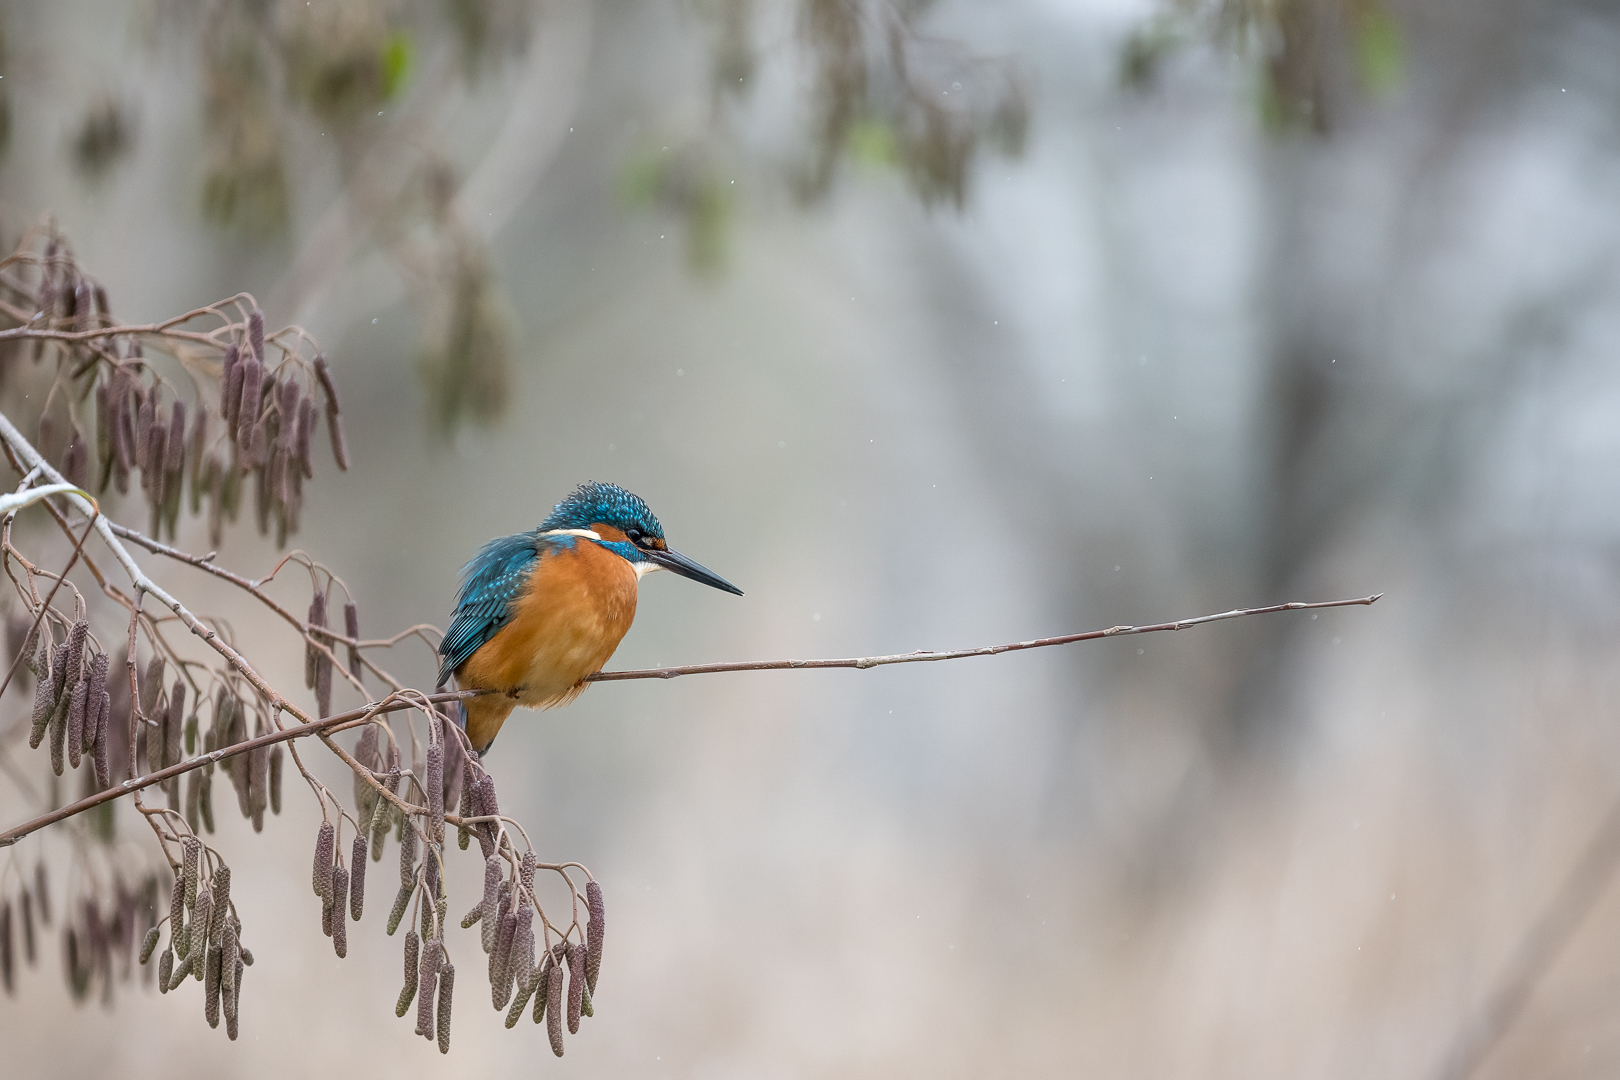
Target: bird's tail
<point x="482" y="718"/>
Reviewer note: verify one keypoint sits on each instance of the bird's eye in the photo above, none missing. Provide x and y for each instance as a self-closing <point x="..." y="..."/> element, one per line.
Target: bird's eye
<point x="633" y="535"/>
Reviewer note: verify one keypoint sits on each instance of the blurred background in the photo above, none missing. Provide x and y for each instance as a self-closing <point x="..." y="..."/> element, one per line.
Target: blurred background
<point x="930" y="325"/>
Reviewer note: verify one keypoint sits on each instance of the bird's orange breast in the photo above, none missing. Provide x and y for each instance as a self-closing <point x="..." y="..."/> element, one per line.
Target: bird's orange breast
<point x="575" y="608"/>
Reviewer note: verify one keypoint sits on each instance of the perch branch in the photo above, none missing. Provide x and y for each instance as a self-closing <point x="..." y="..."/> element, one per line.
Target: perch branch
<point x="863" y="662"/>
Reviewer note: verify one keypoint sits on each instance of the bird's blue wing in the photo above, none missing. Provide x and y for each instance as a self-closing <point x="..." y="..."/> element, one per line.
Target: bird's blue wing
<point x="490" y="583"/>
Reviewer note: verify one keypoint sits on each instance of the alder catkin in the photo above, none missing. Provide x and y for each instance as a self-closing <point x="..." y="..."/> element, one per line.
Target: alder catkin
<point x="191" y="856"/>
<point x="149" y="944"/>
<point x="412" y="951"/>
<point x="43" y="705"/>
<point x="222" y="903"/>
<point x="230" y="393"/>
<point x="357" y="877"/>
<point x="93" y="691"/>
<point x="594" y="931"/>
<point x="492" y="886"/>
<point x="351" y="630"/>
<point x="175" y="457"/>
<point x="447" y="984"/>
<point x="325" y="843"/>
<point x="75" y="654"/>
<point x="308" y="418"/>
<point x="407" y="855"/>
<point x="165" y="971"/>
<point x="523" y="949"/>
<point x="200" y="916"/>
<point x="173" y="750"/>
<point x="554" y="1008"/>
<point x="275" y="778"/>
<point x="211" y="987"/>
<point x="434" y="782"/>
<point x="402" y="900"/>
<point x="474" y="913"/>
<point x="469" y="799"/>
<point x="338" y="920"/>
<point x="103" y="745"/>
<point x="6" y="956"/>
<point x="75" y="722"/>
<point x="500" y="961"/>
<point x="488" y="806"/>
<point x="255" y="329"/>
<point x="59" y="734"/>
<point x="427" y="985"/>
<point x="576" y="985"/>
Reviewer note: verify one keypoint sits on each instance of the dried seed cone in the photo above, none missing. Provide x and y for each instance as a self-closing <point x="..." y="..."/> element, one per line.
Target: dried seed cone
<point x="357" y="877"/>
<point x="325" y="845"/>
<point x="165" y="971"/>
<point x="211" y="988"/>
<point x="576" y="985"/>
<point x="401" y="901"/>
<point x="337" y="921"/>
<point x="594" y="930"/>
<point x="447" y="985"/>
<point x="554" y="1008"/>
<point x="427" y="987"/>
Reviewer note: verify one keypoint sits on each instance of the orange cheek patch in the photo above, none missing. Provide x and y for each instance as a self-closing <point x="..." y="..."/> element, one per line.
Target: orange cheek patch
<point x="608" y="532"/>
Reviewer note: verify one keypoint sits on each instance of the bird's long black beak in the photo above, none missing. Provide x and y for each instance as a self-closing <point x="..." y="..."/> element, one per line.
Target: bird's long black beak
<point x="680" y="564"/>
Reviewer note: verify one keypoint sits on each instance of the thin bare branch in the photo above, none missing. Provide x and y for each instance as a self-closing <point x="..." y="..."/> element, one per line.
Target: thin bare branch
<point x="863" y="662"/>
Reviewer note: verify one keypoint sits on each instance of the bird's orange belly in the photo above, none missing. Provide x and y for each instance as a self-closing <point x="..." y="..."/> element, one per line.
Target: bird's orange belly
<point x="576" y="608"/>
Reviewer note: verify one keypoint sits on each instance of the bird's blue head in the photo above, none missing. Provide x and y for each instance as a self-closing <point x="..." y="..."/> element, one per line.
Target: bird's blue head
<point x="625" y="525"/>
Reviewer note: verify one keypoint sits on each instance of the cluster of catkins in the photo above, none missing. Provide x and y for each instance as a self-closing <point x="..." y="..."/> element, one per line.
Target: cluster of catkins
<point x="270" y="420"/>
<point x="90" y="723"/>
<point x="255" y="775"/>
<point x="97" y="942"/>
<point x="207" y="945"/>
<point x="72" y="703"/>
<point x="505" y="916"/>
<point x="317" y="666"/>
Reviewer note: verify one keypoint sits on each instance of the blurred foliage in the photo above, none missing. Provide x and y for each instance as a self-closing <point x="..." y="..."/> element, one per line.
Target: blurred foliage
<point x="285" y="74"/>
<point x="245" y="183"/>
<point x="686" y="179"/>
<point x="884" y="91"/>
<point x="342" y="60"/>
<point x="466" y="356"/>
<point x="1312" y="56"/>
<point x="105" y="136"/>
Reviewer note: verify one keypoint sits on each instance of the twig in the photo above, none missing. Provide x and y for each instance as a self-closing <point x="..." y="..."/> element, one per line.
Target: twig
<point x="863" y="662"/>
<point x="1536" y="953"/>
<point x="325" y="726"/>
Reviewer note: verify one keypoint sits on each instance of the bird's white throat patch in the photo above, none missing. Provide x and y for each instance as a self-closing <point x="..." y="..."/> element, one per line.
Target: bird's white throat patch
<point x="645" y="568"/>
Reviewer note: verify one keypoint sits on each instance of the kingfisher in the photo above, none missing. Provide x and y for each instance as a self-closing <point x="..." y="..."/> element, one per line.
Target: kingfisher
<point x="541" y="611"/>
